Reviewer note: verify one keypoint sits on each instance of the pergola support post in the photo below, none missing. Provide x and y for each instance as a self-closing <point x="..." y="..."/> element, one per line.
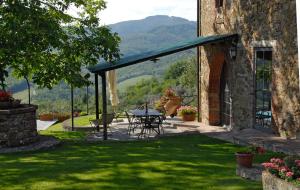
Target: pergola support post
<point x="72" y="107"/>
<point x="97" y="98"/>
<point x="87" y="99"/>
<point x="104" y="105"/>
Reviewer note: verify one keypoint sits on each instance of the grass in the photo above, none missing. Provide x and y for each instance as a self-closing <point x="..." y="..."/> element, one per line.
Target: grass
<point x="84" y="120"/>
<point x="180" y="162"/>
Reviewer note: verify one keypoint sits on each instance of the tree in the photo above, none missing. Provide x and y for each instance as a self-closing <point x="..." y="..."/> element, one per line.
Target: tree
<point x="41" y="41"/>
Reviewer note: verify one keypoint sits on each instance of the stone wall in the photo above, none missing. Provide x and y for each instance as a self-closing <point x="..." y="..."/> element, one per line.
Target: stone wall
<point x="258" y="23"/>
<point x="271" y="182"/>
<point x="18" y="126"/>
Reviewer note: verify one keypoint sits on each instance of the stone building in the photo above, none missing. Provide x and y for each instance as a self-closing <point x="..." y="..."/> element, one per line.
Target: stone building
<point x="259" y="87"/>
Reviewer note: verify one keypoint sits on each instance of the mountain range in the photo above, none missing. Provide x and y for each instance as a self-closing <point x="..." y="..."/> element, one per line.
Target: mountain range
<point x="139" y="36"/>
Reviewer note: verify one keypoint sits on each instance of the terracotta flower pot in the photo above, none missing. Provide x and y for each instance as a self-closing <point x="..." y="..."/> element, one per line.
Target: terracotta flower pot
<point x="188" y="117"/>
<point x="244" y="159"/>
<point x="46" y="117"/>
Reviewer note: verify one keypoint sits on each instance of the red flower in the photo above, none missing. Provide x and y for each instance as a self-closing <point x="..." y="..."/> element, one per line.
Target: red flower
<point x="260" y="150"/>
<point x="5" y="96"/>
<point x="297" y="162"/>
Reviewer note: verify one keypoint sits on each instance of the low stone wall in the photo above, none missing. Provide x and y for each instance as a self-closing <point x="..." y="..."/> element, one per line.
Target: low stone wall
<point x="18" y="126"/>
<point x="271" y="182"/>
<point x="253" y="173"/>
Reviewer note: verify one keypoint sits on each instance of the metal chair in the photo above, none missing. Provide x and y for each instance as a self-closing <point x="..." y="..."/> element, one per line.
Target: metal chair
<point x="150" y="124"/>
<point x="133" y="123"/>
<point x="95" y="123"/>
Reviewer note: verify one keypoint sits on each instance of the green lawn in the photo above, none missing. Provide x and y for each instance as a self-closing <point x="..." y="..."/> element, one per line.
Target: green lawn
<point x="181" y="162"/>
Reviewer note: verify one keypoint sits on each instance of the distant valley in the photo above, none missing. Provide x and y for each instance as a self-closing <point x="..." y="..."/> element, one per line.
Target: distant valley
<point x="137" y="36"/>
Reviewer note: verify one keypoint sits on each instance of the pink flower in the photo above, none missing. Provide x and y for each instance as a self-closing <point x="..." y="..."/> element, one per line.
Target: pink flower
<point x="277" y="160"/>
<point x="284" y="169"/>
<point x="289" y="174"/>
<point x="269" y="165"/>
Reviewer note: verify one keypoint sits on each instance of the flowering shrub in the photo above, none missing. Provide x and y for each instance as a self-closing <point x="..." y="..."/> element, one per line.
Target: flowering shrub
<point x="5" y="96"/>
<point x="287" y="169"/>
<point x="187" y="110"/>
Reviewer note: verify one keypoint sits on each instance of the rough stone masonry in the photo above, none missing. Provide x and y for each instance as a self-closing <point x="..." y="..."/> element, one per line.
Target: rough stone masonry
<point x="18" y="126"/>
<point x="258" y="24"/>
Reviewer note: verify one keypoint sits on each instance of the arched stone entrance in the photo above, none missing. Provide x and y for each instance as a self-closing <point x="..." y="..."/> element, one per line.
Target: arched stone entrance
<point x="214" y="89"/>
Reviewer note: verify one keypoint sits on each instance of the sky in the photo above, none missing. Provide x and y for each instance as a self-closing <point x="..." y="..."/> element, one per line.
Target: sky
<point x="123" y="10"/>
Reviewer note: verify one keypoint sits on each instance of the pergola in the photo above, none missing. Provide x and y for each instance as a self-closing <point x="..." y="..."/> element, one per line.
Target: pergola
<point x="101" y="68"/>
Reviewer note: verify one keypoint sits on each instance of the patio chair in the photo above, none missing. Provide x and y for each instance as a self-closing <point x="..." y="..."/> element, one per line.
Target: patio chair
<point x="99" y="122"/>
<point x="95" y="123"/>
<point x="133" y="123"/>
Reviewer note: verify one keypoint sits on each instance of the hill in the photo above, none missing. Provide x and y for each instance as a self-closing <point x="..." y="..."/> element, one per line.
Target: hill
<point x="136" y="36"/>
<point x="149" y="34"/>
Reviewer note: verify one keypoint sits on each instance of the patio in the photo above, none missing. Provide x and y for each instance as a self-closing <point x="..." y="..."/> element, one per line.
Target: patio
<point x="175" y="126"/>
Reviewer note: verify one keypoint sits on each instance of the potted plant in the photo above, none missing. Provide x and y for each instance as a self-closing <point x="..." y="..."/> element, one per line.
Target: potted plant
<point x="188" y="113"/>
<point x="282" y="173"/>
<point x="245" y="158"/>
<point x="7" y="101"/>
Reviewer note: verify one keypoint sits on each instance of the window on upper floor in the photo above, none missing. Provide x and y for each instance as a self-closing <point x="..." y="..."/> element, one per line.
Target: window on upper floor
<point x="219" y="3"/>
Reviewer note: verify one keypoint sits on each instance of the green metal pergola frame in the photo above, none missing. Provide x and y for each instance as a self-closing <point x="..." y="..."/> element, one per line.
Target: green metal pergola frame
<point x="101" y="68"/>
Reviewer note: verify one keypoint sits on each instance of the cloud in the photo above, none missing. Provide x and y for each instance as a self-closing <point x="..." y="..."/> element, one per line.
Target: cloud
<point x="118" y="10"/>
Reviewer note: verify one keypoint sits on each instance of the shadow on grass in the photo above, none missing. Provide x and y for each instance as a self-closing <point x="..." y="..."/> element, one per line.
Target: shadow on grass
<point x="182" y="162"/>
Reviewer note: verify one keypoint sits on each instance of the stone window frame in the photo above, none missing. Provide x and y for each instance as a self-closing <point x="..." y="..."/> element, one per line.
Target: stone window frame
<point x="272" y="44"/>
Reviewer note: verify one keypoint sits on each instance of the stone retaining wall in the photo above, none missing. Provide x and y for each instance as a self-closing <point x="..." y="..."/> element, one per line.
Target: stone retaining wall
<point x="271" y="182"/>
<point x="18" y="126"/>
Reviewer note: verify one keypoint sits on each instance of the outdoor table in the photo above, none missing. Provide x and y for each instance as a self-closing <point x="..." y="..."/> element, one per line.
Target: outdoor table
<point x="147" y="118"/>
<point x="144" y="113"/>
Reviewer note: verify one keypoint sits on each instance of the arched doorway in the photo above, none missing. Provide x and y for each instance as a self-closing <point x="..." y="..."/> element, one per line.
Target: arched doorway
<point x="214" y="90"/>
<point x="219" y="95"/>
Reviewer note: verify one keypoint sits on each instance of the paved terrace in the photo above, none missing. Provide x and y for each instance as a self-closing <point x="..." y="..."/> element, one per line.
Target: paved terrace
<point x="243" y="137"/>
<point x="248" y="137"/>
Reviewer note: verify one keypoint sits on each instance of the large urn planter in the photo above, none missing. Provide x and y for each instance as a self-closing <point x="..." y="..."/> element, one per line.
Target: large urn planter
<point x="244" y="159"/>
<point x="172" y="105"/>
<point x="188" y="117"/>
<point x="272" y="182"/>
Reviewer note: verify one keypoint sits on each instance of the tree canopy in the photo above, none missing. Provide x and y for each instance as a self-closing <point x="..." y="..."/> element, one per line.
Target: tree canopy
<point x="52" y="40"/>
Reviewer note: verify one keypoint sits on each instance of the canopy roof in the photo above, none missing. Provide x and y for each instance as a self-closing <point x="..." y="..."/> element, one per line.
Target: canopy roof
<point x="152" y="55"/>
